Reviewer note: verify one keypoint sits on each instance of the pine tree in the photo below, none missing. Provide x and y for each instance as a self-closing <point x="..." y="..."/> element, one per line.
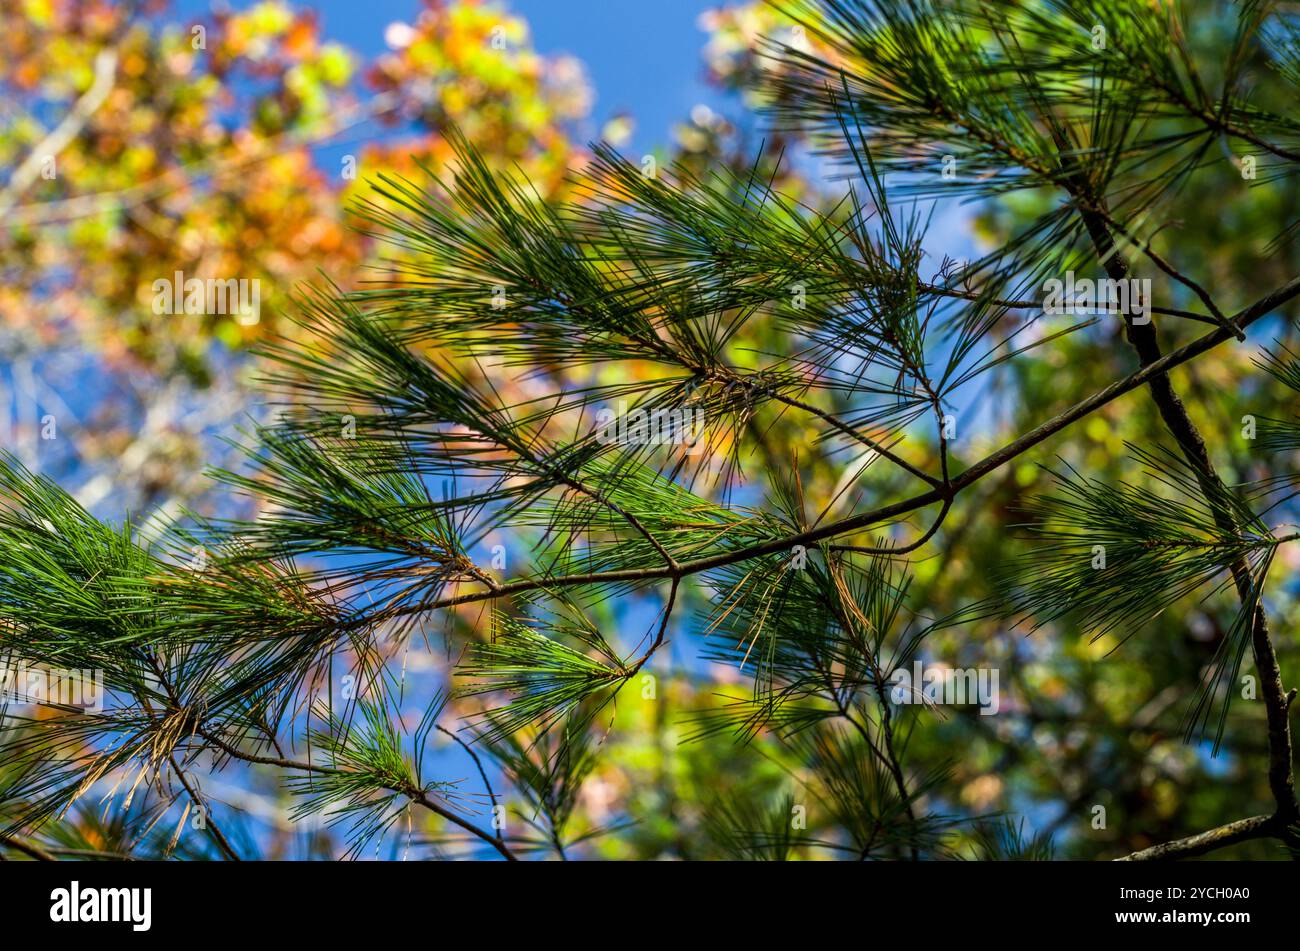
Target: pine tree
<point x="393" y="458"/>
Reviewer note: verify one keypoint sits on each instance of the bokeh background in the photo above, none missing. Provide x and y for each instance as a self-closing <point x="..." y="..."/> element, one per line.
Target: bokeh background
<point x="241" y="159"/>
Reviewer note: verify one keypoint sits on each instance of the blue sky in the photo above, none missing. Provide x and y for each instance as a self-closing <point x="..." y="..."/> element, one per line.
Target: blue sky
<point x="641" y="57"/>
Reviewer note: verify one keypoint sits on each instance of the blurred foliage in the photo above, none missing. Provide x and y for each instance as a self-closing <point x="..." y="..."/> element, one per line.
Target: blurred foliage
<point x="196" y="156"/>
<point x="1083" y="722"/>
<point x="142" y="146"/>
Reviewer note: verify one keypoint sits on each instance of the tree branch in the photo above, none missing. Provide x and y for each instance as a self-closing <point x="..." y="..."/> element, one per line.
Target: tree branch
<point x="30" y="849"/>
<point x="1256" y="827"/>
<point x="415" y="795"/>
<point x="968" y="477"/>
<point x="1174" y="413"/>
<point x="64" y="132"/>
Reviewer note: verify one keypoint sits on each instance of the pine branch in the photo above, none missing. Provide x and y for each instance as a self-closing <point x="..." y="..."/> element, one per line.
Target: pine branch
<point x="1243" y="830"/>
<point x="990" y="463"/>
<point x="30" y="849"/>
<point x="652" y="289"/>
<point x="1179" y="423"/>
<point x="418" y="796"/>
